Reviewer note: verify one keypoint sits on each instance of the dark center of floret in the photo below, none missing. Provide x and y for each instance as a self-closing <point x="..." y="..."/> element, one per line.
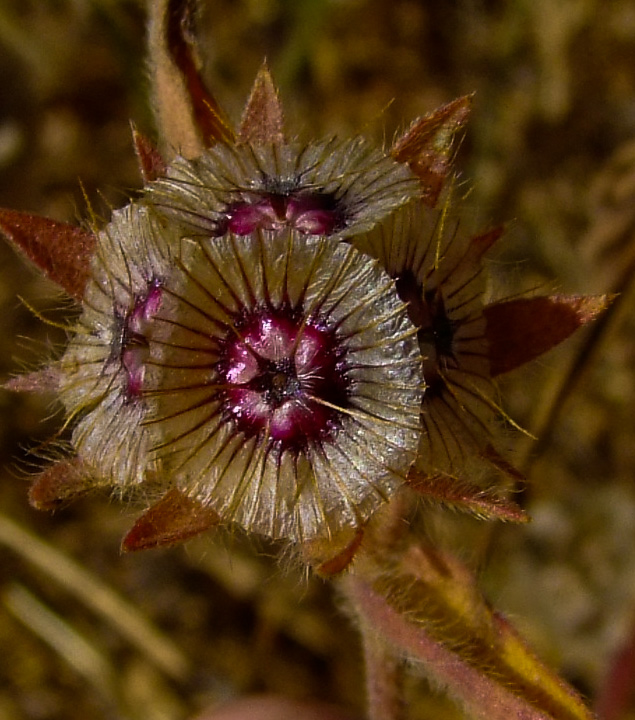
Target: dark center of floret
<point x="284" y="378"/>
<point x="308" y="212"/>
<point x="427" y="310"/>
<point x="442" y="327"/>
<point x="278" y="381"/>
<point x="131" y="345"/>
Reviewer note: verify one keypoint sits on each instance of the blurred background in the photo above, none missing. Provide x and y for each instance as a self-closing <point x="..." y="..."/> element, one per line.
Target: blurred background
<point x="87" y="632"/>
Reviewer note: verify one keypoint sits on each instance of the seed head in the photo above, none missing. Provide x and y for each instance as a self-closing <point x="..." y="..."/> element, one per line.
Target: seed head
<point x="258" y="329"/>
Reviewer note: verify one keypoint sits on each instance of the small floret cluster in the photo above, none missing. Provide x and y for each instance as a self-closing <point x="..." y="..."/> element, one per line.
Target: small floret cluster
<point x="281" y="337"/>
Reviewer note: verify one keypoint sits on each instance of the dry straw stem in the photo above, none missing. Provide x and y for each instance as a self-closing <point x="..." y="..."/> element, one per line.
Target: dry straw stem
<point x="78" y="651"/>
<point x="101" y="598"/>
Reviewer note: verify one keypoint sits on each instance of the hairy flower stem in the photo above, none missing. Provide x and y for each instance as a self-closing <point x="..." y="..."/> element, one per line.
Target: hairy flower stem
<point x="482" y="698"/>
<point x="384" y="677"/>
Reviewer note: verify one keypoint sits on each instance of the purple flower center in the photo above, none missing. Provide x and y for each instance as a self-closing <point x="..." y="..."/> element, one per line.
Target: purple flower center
<point x="309" y="213"/>
<point x="133" y="344"/>
<point x="284" y="378"/>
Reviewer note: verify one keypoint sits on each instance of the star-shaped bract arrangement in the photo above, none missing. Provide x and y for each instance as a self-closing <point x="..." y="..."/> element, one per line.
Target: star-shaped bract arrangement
<point x="291" y="339"/>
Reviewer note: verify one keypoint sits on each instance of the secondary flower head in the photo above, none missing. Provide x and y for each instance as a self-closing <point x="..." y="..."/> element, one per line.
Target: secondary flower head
<point x="323" y="188"/>
<point x="465" y="342"/>
<point x="439" y="272"/>
<point x="104" y="371"/>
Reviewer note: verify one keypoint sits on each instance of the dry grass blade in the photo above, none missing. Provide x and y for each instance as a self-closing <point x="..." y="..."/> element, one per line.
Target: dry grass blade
<point x="97" y="596"/>
<point x="83" y="656"/>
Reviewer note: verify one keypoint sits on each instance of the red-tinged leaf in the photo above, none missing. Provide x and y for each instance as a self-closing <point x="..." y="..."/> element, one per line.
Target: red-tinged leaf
<point x="62" y="251"/>
<point x="263" y="120"/>
<point x="520" y="330"/>
<point x="427" y="146"/>
<point x="480" y="244"/>
<point x="427" y="607"/>
<point x="461" y="495"/>
<point x="491" y="454"/>
<point x="173" y="519"/>
<point x="151" y="163"/>
<point x="60" y="483"/>
<point x="44" y="380"/>
<point x="188" y="116"/>
<point x="331" y="556"/>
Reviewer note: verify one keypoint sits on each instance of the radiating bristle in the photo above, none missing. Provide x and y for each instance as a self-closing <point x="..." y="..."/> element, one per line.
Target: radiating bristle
<point x="103" y="368"/>
<point x="324" y="188"/>
<point x="279" y="431"/>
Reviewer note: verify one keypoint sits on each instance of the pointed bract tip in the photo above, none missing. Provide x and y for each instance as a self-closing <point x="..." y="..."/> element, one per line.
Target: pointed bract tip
<point x="61" y="482"/>
<point x="481" y="244"/>
<point x="173" y="519"/>
<point x="63" y="252"/>
<point x="521" y="330"/>
<point x="151" y="163"/>
<point x="263" y="119"/>
<point x="331" y="556"/>
<point x="426" y="147"/>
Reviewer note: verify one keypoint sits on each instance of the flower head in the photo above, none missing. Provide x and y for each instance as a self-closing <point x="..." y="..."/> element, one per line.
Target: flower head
<point x="287" y="337"/>
<point x="290" y="383"/>
<point x="332" y="187"/>
<point x="279" y="335"/>
<point x="273" y="378"/>
<point x="103" y="372"/>
<point x="439" y="272"/>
